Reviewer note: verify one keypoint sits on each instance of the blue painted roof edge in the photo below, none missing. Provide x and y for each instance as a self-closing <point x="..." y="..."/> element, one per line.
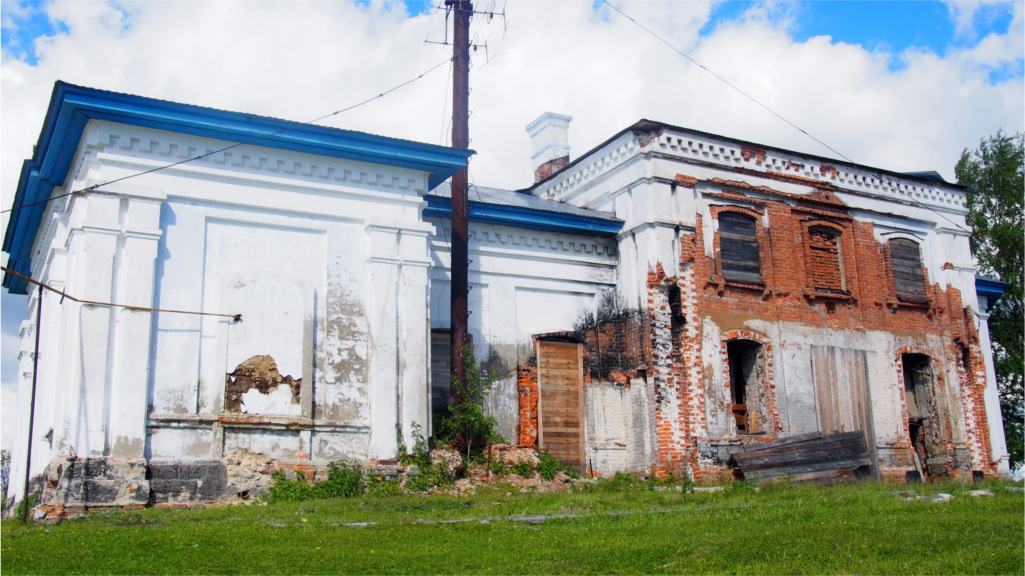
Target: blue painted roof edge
<point x="71" y="107"/>
<point x="990" y="288"/>
<point x="440" y="207"/>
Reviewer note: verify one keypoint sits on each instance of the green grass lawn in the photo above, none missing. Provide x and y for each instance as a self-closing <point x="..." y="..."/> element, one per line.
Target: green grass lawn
<point x="784" y="529"/>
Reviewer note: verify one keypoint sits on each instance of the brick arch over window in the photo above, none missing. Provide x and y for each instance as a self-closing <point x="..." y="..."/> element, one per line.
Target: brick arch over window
<point x="747" y="360"/>
<point x="906" y="269"/>
<point x="825" y="264"/>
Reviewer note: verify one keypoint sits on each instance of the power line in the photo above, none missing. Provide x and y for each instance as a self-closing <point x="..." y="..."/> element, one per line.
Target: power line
<point x="95" y="187"/>
<point x="63" y="295"/>
<point x="727" y="82"/>
<point x="778" y="115"/>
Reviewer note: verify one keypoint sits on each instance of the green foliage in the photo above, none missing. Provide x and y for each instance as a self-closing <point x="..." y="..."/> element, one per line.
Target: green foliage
<point x="430" y="476"/>
<point x="863" y="528"/>
<point x="421" y="454"/>
<point x="33" y="499"/>
<point x="467" y="426"/>
<point x="734" y="487"/>
<point x="344" y="480"/>
<point x="283" y="488"/>
<point x="5" y="471"/>
<point x="378" y="486"/>
<point x="522" y="469"/>
<point x="621" y="482"/>
<point x="995" y="175"/>
<point x="548" y="466"/>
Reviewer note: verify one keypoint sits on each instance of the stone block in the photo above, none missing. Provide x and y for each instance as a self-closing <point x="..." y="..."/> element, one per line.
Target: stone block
<point x="100" y="491"/>
<point x="96" y="468"/>
<point x="163" y="470"/>
<point x="166" y="490"/>
<point x="210" y="471"/>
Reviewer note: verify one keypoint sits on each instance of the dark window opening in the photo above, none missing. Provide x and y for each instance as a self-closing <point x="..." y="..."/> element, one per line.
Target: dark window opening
<point x="908" y="277"/>
<point x="917" y="392"/>
<point x="746" y="374"/>
<point x="966" y="362"/>
<point x="824" y="245"/>
<point x="738" y="247"/>
<point x="677" y="319"/>
<point x="441" y="371"/>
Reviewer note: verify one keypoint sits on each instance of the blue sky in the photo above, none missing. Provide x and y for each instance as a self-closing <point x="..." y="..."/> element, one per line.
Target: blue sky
<point x="901" y="85"/>
<point x="884" y="25"/>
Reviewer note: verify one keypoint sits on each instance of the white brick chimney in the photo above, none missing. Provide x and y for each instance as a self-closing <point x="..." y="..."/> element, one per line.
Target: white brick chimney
<point x="549" y="139"/>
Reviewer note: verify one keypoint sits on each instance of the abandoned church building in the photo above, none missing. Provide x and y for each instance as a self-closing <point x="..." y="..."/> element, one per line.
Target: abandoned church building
<point x="653" y="305"/>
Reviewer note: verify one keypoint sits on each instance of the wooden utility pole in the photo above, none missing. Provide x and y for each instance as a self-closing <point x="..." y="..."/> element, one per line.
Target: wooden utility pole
<point x="462" y="10"/>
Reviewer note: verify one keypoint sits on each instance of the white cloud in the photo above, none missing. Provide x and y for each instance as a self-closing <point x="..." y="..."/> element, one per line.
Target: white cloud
<point x="967" y="13"/>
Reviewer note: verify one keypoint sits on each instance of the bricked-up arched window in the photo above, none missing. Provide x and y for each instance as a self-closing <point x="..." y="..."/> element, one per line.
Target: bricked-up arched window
<point x="738" y="247"/>
<point x="824" y="259"/>
<point x="906" y="262"/>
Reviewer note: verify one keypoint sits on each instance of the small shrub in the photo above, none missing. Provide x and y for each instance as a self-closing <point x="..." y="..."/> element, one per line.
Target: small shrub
<point x="740" y="487"/>
<point x="379" y="486"/>
<point x="421" y="454"/>
<point x="621" y="482"/>
<point x="430" y="476"/>
<point x="548" y="467"/>
<point x="5" y="471"/>
<point x="467" y="426"/>
<point x="344" y="480"/>
<point x="523" y="469"/>
<point x="283" y="488"/>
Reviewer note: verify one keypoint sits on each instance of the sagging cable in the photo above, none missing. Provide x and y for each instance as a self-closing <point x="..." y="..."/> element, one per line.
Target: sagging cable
<point x="63" y="295"/>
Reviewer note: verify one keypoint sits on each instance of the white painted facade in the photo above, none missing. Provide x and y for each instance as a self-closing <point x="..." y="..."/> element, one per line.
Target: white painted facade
<point x="324" y="258"/>
<point x="334" y="251"/>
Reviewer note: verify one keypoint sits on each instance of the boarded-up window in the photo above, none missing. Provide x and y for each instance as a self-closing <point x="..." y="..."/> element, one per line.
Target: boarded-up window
<point x="824" y="259"/>
<point x="738" y="247"/>
<point x="908" y="278"/>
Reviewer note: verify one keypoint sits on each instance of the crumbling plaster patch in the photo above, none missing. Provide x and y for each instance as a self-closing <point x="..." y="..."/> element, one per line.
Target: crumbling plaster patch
<point x="259" y="375"/>
<point x="341" y="393"/>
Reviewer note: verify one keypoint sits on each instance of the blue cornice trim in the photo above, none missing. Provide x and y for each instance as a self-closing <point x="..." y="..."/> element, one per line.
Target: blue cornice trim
<point x="441" y="207"/>
<point x="71" y="107"/>
<point x="990" y="289"/>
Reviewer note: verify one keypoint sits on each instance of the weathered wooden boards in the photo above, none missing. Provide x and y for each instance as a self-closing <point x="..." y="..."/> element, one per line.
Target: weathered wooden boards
<point x="561" y="402"/>
<point x="806" y="457"/>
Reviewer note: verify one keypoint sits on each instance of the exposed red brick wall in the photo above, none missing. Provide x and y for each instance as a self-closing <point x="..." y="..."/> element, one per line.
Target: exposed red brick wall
<point x="526" y="384"/>
<point x="615" y="347"/>
<point x="861" y="297"/>
<point x="852" y="289"/>
<point x="550" y="167"/>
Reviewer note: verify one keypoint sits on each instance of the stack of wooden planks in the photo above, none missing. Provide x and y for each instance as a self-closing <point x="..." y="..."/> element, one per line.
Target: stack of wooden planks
<point x="814" y="457"/>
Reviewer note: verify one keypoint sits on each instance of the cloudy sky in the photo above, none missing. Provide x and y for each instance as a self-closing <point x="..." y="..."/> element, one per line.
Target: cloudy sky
<point x="904" y="86"/>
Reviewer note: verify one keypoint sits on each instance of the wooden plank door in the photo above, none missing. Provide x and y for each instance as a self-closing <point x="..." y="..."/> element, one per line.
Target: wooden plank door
<point x="842" y="393"/>
<point x="560" y="402"/>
